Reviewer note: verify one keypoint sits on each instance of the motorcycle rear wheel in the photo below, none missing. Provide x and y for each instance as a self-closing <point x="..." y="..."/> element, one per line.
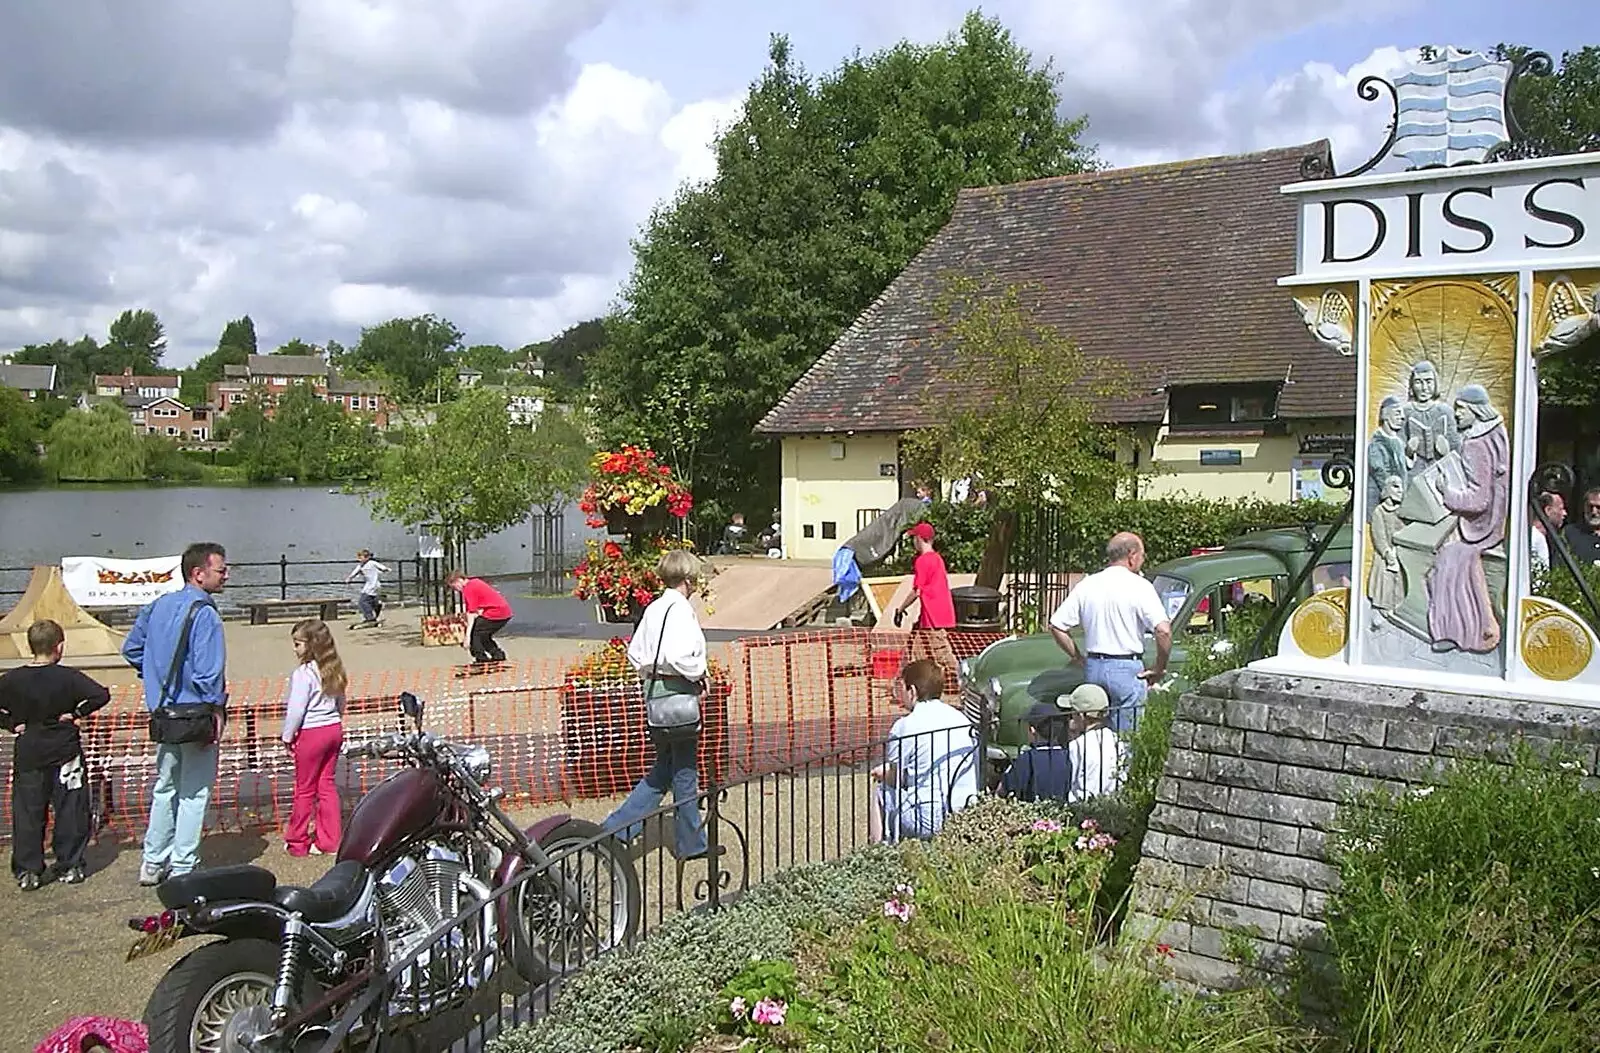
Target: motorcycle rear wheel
<point x="548" y="939"/>
<point x="211" y="995"/>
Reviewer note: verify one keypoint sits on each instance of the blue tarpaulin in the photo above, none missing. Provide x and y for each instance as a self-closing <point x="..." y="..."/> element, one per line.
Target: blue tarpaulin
<point x="846" y="575"/>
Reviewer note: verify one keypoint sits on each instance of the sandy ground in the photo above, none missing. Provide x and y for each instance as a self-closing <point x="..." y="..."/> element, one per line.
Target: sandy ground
<point x="65" y="946"/>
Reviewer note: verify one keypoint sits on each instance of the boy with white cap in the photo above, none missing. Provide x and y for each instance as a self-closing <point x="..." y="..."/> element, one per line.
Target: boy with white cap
<point x="1095" y="752"/>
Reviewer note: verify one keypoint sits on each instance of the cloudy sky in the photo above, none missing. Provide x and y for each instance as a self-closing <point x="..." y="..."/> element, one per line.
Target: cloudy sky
<point x="326" y="164"/>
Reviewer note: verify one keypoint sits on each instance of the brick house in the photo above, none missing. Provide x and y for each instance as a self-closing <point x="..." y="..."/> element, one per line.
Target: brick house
<point x="168" y="416"/>
<point x="125" y="385"/>
<point x="270" y="376"/>
<point x="1169" y="269"/>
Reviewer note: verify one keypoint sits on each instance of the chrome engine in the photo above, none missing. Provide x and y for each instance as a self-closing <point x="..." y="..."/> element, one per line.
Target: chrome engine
<point x="416" y="897"/>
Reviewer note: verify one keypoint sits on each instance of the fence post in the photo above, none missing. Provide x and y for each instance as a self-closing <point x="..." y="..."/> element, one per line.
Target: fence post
<point x="283" y="576"/>
<point x="400" y="585"/>
<point x="713" y="854"/>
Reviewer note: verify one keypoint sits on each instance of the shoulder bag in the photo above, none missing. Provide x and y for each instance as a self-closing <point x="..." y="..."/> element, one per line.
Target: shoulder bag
<point x="676" y="709"/>
<point x="195" y="722"/>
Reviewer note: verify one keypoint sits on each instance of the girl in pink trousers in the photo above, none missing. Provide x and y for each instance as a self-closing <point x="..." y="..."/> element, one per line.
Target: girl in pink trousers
<point x="313" y="730"/>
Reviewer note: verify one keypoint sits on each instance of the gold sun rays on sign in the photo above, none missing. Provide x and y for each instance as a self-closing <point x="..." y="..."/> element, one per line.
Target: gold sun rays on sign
<point x="1467" y="327"/>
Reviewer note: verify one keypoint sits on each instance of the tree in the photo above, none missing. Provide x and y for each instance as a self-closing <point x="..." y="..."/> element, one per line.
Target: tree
<point x="137" y="342"/>
<point x="297" y="346"/>
<point x="1560" y="113"/>
<point x="234" y="347"/>
<point x="824" y="191"/>
<point x="564" y="355"/>
<point x="163" y="460"/>
<point x="467" y="475"/>
<point x="415" y="354"/>
<point x="305" y="439"/>
<point x="75" y="363"/>
<point x="558" y="456"/>
<point x="98" y="444"/>
<point x="491" y="360"/>
<point x="19" y="452"/>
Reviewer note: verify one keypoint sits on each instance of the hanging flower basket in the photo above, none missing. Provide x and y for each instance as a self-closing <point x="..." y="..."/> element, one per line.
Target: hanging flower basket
<point x="652" y="520"/>
<point x="630" y="482"/>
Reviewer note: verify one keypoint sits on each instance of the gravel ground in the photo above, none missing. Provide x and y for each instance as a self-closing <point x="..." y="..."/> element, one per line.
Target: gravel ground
<point x="63" y="954"/>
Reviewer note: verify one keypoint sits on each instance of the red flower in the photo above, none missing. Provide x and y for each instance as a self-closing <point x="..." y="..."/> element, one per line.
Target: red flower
<point x="613" y="550"/>
<point x="1165" y="950"/>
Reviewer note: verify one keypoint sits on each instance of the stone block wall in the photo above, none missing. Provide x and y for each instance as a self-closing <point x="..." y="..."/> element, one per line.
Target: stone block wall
<point x="1235" y="855"/>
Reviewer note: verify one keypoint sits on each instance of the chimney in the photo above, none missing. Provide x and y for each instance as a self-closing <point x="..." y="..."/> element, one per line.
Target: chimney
<point x="127" y="371"/>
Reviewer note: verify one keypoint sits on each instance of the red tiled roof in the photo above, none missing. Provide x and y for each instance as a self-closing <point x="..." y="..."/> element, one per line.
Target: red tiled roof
<point x="1169" y="269"/>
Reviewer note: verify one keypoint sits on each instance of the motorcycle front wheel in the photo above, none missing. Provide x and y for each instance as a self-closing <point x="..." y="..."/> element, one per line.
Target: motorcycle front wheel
<point x="551" y="937"/>
<point x="215" y="998"/>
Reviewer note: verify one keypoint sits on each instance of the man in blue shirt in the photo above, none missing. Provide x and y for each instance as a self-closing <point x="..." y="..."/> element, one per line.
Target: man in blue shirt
<point x="1042" y="769"/>
<point x="184" y="772"/>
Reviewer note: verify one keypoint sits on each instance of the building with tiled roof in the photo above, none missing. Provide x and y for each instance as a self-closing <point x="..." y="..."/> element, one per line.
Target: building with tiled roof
<point x="126" y="383"/>
<point x="33" y="381"/>
<point x="268" y="378"/>
<point x="1170" y="270"/>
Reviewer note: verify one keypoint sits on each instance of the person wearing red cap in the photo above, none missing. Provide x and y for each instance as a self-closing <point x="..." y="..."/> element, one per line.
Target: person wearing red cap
<point x="930" y="588"/>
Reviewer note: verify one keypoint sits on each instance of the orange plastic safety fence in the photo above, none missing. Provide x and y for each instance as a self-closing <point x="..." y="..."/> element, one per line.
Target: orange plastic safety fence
<point x="781" y="699"/>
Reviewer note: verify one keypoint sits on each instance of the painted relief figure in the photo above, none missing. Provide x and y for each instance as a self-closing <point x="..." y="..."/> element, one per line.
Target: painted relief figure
<point x="1460" y="612"/>
<point x="1386" y="451"/>
<point x="1430" y="429"/>
<point x="1385" y="586"/>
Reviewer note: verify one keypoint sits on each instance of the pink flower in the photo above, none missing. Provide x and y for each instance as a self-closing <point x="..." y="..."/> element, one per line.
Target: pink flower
<point x="1165" y="950"/>
<point x="738" y="1008"/>
<point x="769" y="1011"/>
<point x="1089" y="824"/>
<point x="1046" y="826"/>
<point x="894" y="908"/>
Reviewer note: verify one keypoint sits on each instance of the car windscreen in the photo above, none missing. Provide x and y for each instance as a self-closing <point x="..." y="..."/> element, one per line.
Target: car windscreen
<point x="1173" y="591"/>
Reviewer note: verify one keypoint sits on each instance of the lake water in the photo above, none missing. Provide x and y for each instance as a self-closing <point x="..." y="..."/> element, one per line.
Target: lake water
<point x="256" y="524"/>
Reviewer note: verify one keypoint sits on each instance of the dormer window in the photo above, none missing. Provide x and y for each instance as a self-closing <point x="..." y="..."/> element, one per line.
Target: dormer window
<point x="1221" y="405"/>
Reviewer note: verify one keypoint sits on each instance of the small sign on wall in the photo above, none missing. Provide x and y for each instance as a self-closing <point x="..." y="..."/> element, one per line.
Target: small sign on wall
<point x="888" y="471"/>
<point x="1221" y="458"/>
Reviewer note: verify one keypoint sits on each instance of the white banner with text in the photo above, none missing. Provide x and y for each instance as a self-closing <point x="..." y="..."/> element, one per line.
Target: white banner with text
<point x="99" y="581"/>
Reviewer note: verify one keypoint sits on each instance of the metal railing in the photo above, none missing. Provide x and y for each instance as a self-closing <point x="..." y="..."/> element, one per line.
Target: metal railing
<point x="814" y="811"/>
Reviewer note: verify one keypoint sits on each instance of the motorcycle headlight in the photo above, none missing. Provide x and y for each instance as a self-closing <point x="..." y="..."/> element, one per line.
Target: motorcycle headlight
<point x="965" y="668"/>
<point x="477" y="764"/>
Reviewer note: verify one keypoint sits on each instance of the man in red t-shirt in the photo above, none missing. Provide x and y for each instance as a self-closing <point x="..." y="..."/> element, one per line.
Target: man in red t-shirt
<point x="930" y="588"/>
<point x="488" y="612"/>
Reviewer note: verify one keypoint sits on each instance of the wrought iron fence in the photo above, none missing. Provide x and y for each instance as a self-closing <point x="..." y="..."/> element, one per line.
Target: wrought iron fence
<point x="459" y="987"/>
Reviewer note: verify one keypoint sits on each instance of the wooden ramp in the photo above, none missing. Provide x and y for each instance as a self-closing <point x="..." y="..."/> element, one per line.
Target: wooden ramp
<point x="47" y="597"/>
<point x="759" y="594"/>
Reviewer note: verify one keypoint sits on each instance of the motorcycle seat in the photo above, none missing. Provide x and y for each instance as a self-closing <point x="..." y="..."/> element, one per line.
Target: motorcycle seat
<point x="329" y="897"/>
<point x="217" y="885"/>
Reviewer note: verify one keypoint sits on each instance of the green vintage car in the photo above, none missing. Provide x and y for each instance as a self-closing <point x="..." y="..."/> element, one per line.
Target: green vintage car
<point x="1001" y="683"/>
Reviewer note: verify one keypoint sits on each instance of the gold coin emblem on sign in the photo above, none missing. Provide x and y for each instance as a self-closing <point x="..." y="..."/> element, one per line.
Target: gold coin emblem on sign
<point x="1319" y="624"/>
<point x="1555" y="645"/>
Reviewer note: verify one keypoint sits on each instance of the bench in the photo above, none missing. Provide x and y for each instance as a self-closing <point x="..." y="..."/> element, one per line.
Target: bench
<point x="327" y="607"/>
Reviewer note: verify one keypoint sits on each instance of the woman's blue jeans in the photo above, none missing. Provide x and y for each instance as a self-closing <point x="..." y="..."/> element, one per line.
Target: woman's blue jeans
<point x="674" y="769"/>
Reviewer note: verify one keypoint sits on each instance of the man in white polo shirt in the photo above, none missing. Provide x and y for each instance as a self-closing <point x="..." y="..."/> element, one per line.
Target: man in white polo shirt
<point x="1116" y="607"/>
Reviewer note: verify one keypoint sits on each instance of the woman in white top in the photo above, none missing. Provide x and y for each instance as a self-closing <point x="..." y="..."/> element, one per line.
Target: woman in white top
<point x="313" y="730"/>
<point x="668" y="650"/>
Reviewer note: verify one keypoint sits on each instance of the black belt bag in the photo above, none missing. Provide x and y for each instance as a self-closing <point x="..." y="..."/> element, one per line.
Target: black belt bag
<point x="195" y="724"/>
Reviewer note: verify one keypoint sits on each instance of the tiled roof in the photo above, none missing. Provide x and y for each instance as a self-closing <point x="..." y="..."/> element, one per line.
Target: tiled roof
<point x="123" y="380"/>
<point x="1169" y="269"/>
<point x="233" y="371"/>
<point x="339" y="384"/>
<point x="287" y="366"/>
<point x="27" y="378"/>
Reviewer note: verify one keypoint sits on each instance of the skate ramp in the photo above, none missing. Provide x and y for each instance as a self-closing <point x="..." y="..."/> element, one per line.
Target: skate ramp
<point x="754" y="595"/>
<point x="46" y="596"/>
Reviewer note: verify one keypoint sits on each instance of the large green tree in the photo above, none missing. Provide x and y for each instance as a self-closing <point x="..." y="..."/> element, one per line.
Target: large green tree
<point x="98" y="444"/>
<point x="470" y="473"/>
<point x="137" y="341"/>
<point x="1560" y="113"/>
<point x="19" y="453"/>
<point x="236" y="344"/>
<point x="558" y="457"/>
<point x="824" y="190"/>
<point x="564" y="355"/>
<point x="418" y="356"/>
<point x="305" y="438"/>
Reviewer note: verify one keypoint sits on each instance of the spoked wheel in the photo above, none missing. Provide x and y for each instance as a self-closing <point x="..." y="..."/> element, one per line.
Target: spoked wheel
<point x="214" y="1000"/>
<point x="551" y="935"/>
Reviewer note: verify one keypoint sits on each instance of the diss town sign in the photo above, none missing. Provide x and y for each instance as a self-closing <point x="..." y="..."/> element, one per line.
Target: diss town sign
<point x="1448" y="281"/>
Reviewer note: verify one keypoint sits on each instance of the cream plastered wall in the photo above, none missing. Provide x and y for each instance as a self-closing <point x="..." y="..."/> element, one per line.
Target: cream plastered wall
<point x="820" y="487"/>
<point x="1266" y="470"/>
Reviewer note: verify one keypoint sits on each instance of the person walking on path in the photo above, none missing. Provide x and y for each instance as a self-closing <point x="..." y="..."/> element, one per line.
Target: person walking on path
<point x="1116" y="607"/>
<point x="177" y="645"/>
<point x="313" y="731"/>
<point x="936" y="616"/>
<point x="370" y="601"/>
<point x="40" y="704"/>
<point x="487" y="612"/>
<point x="668" y="651"/>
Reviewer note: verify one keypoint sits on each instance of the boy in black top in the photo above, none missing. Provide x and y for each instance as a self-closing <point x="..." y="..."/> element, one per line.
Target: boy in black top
<point x="40" y="703"/>
<point x="1041" y="771"/>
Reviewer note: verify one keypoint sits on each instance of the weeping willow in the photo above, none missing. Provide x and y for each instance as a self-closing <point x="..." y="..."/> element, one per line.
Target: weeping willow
<point x="98" y="445"/>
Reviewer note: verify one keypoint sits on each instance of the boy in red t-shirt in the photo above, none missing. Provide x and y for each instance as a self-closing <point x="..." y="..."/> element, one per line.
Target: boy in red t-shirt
<point x="488" y="612"/>
<point x="930" y="588"/>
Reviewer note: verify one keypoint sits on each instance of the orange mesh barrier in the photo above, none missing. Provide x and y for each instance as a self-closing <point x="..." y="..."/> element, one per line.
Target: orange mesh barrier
<point x="785" y="698"/>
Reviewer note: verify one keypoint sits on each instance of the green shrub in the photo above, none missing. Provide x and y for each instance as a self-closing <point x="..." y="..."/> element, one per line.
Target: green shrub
<point x="1558" y="584"/>
<point x="1465" y="917"/>
<point x="676" y="973"/>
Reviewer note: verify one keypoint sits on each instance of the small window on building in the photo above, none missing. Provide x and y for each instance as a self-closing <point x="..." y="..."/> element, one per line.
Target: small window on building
<point x="1221" y="405"/>
<point x="808" y="530"/>
<point x="372" y="404"/>
<point x="830" y="530"/>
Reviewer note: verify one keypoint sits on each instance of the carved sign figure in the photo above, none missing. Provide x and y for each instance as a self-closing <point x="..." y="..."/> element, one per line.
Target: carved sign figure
<point x="1430" y="429"/>
<point x="1386" y="451"/>
<point x="1460" y="610"/>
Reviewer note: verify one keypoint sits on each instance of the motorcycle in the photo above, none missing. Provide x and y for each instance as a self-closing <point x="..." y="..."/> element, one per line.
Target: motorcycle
<point x="420" y="848"/>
